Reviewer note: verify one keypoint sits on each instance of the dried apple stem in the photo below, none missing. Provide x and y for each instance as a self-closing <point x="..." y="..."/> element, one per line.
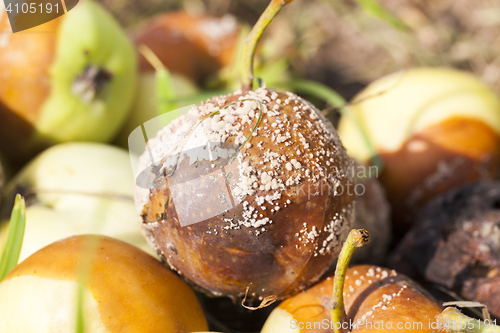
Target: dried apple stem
<point x="453" y="321"/>
<point x="356" y="238"/>
<point x="253" y="38"/>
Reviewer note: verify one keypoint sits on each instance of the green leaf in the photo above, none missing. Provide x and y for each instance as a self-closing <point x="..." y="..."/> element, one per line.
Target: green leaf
<point x="12" y="249"/>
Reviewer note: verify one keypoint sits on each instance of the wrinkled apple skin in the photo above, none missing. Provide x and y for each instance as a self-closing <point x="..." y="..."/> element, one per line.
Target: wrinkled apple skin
<point x="76" y="188"/>
<point x="124" y="290"/>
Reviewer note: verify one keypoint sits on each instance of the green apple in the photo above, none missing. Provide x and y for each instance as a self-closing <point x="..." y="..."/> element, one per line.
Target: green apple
<point x="123" y="290"/>
<point x="71" y="79"/>
<point x="77" y="188"/>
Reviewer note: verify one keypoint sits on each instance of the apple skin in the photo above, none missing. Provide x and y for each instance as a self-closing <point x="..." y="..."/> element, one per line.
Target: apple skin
<point x="433" y="128"/>
<point x="45" y="97"/>
<point x="454" y="243"/>
<point x="76" y="188"/>
<point x="371" y="293"/>
<point x="125" y="290"/>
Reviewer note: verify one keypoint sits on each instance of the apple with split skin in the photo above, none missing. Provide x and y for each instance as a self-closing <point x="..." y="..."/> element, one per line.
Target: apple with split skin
<point x="124" y="290"/>
<point x="76" y="188"/>
<point x="432" y="128"/>
<point x="71" y="79"/>
<point x="269" y="218"/>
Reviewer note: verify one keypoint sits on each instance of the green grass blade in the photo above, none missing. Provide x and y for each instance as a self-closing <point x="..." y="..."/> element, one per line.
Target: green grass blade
<point x="165" y="87"/>
<point x="80" y="323"/>
<point x="12" y="249"/>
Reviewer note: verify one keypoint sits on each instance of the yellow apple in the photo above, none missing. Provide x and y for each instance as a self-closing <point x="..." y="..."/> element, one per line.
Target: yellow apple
<point x="433" y="128"/>
<point x="76" y="188"/>
<point x="124" y="290"/>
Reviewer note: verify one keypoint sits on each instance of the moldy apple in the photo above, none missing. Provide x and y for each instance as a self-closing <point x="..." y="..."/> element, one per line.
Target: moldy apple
<point x="271" y="218"/>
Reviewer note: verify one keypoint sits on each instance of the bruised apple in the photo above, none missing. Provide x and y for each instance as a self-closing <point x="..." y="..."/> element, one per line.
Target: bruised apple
<point x="71" y="79"/>
<point x="124" y="290"/>
<point x="76" y="188"/>
<point x="433" y="128"/>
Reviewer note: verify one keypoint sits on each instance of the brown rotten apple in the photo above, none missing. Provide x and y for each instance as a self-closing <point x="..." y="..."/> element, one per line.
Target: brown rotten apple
<point x="124" y="290"/>
<point x="195" y="46"/>
<point x="433" y="128"/>
<point x="250" y="191"/>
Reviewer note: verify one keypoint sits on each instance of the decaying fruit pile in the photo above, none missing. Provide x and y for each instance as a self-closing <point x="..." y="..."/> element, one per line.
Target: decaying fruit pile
<point x="240" y="213"/>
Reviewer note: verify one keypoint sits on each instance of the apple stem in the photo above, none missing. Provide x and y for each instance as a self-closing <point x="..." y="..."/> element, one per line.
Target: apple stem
<point x="453" y="321"/>
<point x="356" y="238"/>
<point x="253" y="38"/>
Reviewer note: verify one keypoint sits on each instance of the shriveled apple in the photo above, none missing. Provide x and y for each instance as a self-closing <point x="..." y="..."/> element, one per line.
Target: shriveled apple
<point x="76" y="188"/>
<point x="123" y="290"/>
<point x="71" y="79"/>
